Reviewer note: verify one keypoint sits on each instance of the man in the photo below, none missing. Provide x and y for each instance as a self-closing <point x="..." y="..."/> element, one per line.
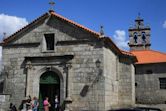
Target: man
<point x="56" y="103"/>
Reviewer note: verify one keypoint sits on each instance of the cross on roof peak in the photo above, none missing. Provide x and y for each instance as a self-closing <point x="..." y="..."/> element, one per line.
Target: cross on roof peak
<point x="51" y="3"/>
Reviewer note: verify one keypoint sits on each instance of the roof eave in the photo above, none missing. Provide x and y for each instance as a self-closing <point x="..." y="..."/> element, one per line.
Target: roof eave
<point x="111" y="44"/>
<point x="146" y="63"/>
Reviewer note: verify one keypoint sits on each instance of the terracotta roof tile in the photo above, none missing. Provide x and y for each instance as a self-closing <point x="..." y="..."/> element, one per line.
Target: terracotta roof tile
<point x="149" y="56"/>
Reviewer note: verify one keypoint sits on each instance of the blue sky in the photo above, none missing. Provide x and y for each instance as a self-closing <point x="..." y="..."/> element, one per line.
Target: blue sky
<point x="115" y="15"/>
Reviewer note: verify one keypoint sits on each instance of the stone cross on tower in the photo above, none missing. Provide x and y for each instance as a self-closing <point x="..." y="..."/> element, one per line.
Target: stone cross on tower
<point x="139" y="14"/>
<point x="51" y="3"/>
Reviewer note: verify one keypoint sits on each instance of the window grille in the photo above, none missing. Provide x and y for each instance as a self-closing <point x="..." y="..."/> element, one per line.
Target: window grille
<point x="162" y="83"/>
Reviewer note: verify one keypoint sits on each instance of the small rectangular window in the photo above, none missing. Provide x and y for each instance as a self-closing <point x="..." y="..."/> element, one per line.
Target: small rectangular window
<point x="1" y="87"/>
<point x="49" y="39"/>
<point x="162" y="83"/>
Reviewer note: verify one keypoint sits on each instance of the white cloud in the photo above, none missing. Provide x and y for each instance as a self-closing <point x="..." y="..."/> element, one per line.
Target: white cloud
<point x="164" y="24"/>
<point x="120" y="39"/>
<point x="10" y="24"/>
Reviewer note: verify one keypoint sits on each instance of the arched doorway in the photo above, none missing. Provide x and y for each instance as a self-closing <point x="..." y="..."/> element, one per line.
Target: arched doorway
<point x="49" y="87"/>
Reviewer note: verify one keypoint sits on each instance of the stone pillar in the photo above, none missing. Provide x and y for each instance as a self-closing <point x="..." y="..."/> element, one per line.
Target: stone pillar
<point x="29" y="68"/>
<point x="68" y="99"/>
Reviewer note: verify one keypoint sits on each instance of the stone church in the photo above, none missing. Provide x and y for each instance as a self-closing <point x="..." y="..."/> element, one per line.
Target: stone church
<point x="150" y="69"/>
<point x="54" y="56"/>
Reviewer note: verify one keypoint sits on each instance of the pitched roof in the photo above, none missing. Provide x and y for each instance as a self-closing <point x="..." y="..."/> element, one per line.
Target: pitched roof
<point x="74" y="23"/>
<point x="149" y="56"/>
<point x="52" y="13"/>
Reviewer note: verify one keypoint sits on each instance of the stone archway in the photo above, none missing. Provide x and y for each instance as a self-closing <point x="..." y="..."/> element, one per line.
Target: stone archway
<point x="49" y="86"/>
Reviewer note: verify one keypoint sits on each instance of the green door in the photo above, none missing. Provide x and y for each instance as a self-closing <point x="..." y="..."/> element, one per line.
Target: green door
<point x="49" y="87"/>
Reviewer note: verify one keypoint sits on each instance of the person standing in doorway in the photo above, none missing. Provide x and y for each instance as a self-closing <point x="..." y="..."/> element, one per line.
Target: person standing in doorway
<point x="35" y="104"/>
<point x="46" y="104"/>
<point x="56" y="103"/>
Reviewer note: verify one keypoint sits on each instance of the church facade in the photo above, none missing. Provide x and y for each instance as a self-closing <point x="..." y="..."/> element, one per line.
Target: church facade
<point x="54" y="56"/>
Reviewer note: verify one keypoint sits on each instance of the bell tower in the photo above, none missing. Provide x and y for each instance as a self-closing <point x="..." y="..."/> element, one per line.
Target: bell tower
<point x="139" y="35"/>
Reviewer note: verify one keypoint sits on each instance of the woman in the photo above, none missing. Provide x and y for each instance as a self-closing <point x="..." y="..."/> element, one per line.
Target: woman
<point x="46" y="104"/>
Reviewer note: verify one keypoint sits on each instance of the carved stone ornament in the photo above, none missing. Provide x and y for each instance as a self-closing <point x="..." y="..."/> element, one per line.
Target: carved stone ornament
<point x="28" y="65"/>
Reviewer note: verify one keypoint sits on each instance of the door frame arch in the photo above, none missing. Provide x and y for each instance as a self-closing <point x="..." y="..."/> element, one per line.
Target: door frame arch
<point x="56" y="71"/>
<point x="49" y="87"/>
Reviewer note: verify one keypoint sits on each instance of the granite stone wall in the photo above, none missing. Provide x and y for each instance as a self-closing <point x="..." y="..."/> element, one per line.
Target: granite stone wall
<point x="126" y="81"/>
<point x="148" y="85"/>
<point x="111" y="84"/>
<point x="4" y="102"/>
